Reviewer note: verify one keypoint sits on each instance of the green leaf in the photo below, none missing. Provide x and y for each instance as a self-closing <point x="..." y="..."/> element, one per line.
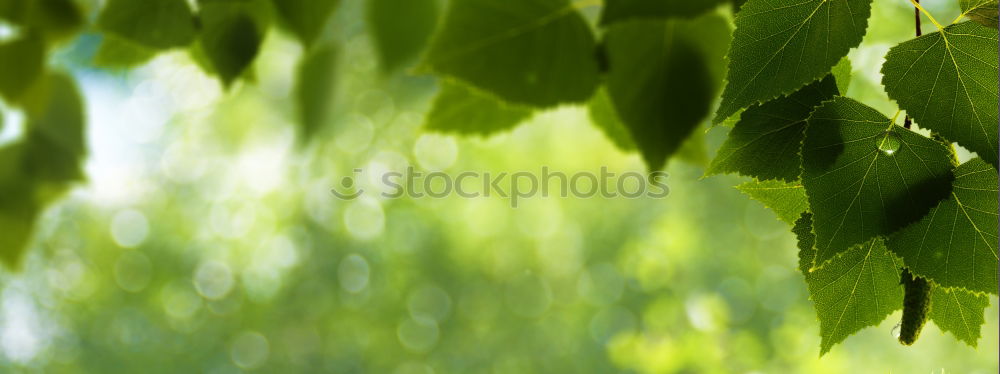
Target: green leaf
<point x="732" y="120"/>
<point x="780" y="46"/>
<point x="18" y="213"/>
<point x="18" y="210"/>
<point x="22" y="196"/>
<point x="38" y="168"/>
<point x="787" y="200"/>
<point x="806" y="242"/>
<point x="57" y="19"/>
<point x="230" y="38"/>
<point x="867" y="177"/>
<point x="982" y="11"/>
<point x="765" y="143"/>
<point x="649" y="61"/>
<point x="602" y="114"/>
<point x="400" y="29"/>
<point x="462" y="110"/>
<point x="955" y="244"/>
<point x="533" y="52"/>
<point x="857" y="289"/>
<point x="624" y="10"/>
<point x="947" y="81"/>
<point x="315" y="84"/>
<point x="55" y="139"/>
<point x="157" y="24"/>
<point x="958" y="312"/>
<point x="197" y="54"/>
<point x="55" y="110"/>
<point x="306" y="18"/>
<point x="694" y="150"/>
<point x="842" y="73"/>
<point x="12" y="11"/>
<point x="118" y="53"/>
<point x="22" y="62"/>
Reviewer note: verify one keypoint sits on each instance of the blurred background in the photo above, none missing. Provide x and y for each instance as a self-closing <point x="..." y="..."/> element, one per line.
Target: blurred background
<point x="205" y="239"/>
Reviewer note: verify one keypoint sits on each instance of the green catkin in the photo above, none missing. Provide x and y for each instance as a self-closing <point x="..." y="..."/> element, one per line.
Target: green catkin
<point x="916" y="306"/>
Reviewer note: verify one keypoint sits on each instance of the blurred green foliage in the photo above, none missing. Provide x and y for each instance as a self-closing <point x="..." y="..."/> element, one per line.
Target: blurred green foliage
<point x="205" y="238"/>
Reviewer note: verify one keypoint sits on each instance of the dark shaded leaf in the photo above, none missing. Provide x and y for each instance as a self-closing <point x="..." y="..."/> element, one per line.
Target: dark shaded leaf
<point x="955" y="244"/>
<point x="315" y="86"/>
<point x="400" y="29"/>
<point x="982" y="11"/>
<point x="766" y="142"/>
<point x="22" y="61"/>
<point x="157" y="24"/>
<point x="230" y="38"/>
<point x="533" y="52"/>
<point x="660" y="80"/>
<point x="866" y="176"/>
<point x="306" y="18"/>
<point x="623" y="10"/>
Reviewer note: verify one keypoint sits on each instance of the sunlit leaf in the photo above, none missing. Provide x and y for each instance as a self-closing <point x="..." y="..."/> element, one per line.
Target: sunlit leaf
<point x="694" y="149"/>
<point x="955" y="244"/>
<point x="866" y="176"/>
<point x="842" y="72"/>
<point x="787" y="200"/>
<point x="778" y="47"/>
<point x="602" y="113"/>
<point x="959" y="312"/>
<point x="532" y="52"/>
<point x="462" y="110"/>
<point x="118" y="53"/>
<point x="947" y="81"/>
<point x="855" y="290"/>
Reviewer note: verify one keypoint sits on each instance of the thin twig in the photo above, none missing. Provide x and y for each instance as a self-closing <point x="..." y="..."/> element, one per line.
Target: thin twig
<point x="907" y="123"/>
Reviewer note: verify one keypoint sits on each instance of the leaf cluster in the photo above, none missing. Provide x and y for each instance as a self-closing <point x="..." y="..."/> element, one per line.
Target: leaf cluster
<point x="865" y="196"/>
